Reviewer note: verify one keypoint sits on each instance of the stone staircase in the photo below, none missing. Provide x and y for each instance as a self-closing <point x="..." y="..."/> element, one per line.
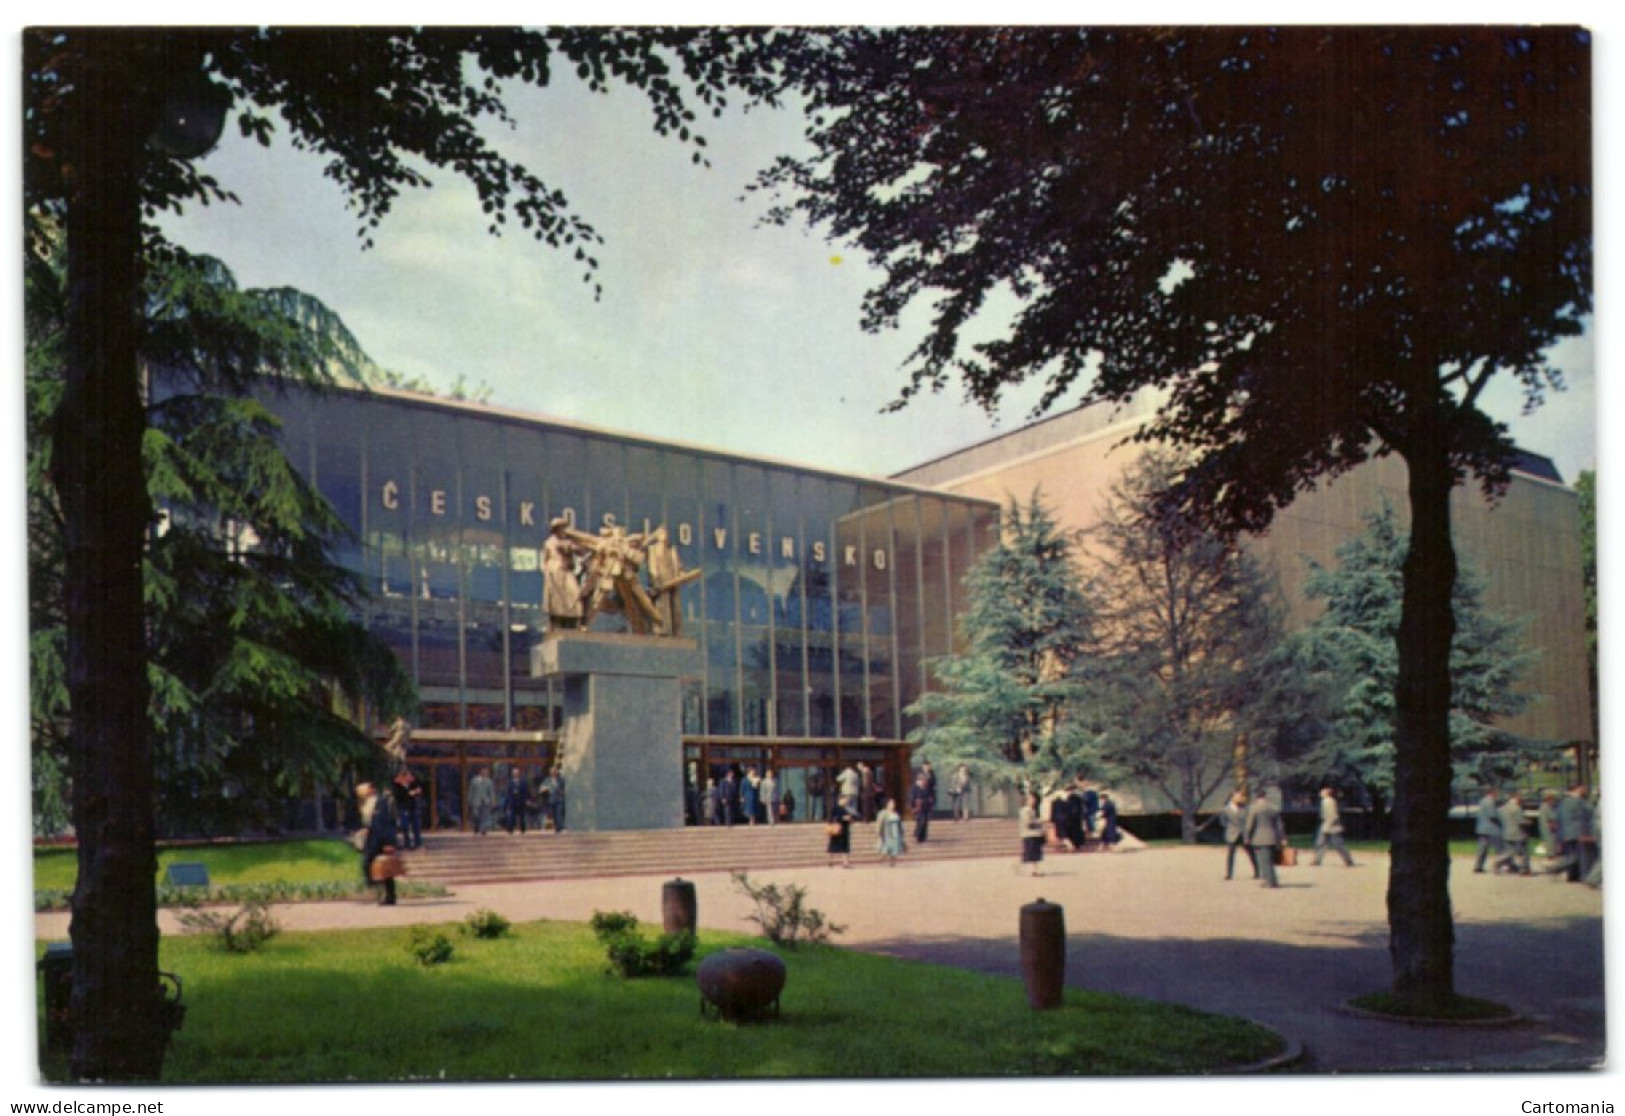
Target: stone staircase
<point x="464" y="858"/>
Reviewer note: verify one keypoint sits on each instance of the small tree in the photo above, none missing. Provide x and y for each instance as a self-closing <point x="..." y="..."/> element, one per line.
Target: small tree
<point x="1011" y="707"/>
<point x="1350" y="647"/>
<point x="1190" y="676"/>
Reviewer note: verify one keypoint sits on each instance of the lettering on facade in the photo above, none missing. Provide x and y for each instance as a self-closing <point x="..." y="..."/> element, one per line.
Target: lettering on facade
<point x="756" y="543"/>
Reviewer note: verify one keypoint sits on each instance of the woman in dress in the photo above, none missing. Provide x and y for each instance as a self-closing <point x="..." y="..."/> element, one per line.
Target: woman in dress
<point x="1031" y="824"/>
<point x="840" y="832"/>
<point x="889" y="824"/>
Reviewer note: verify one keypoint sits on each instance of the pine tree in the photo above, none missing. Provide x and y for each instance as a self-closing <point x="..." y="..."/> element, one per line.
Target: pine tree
<point x="1011" y="706"/>
<point x="1350" y="648"/>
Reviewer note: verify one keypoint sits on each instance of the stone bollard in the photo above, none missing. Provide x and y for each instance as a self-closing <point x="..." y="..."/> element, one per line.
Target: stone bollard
<point x="1043" y="954"/>
<point x="679" y="909"/>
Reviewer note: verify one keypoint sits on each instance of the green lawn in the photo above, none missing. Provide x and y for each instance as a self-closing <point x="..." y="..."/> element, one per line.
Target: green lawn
<point x="354" y="1006"/>
<point x="299" y="862"/>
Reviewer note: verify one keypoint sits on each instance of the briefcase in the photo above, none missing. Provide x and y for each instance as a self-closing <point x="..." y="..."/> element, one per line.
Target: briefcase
<point x="387" y="866"/>
<point x="1286" y="856"/>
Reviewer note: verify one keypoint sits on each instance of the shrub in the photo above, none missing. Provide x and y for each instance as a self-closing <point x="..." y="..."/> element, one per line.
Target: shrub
<point x="244" y="931"/>
<point x="631" y="955"/>
<point x="428" y="945"/>
<point x="783" y="914"/>
<point x="486" y="923"/>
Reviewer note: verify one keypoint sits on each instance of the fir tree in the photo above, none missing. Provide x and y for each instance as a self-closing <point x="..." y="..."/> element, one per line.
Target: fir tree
<point x="1012" y="706"/>
<point x="1350" y="648"/>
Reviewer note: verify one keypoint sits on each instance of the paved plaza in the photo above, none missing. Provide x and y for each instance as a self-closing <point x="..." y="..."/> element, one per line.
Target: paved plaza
<point x="1160" y="923"/>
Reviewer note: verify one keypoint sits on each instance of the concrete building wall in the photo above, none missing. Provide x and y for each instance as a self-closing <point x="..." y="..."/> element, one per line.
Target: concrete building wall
<point x="1526" y="546"/>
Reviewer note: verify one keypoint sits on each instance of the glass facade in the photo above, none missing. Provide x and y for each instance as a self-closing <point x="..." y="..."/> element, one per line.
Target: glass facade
<point x="821" y="600"/>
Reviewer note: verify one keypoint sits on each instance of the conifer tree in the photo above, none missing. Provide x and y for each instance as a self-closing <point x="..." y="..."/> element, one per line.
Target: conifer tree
<point x="1012" y="705"/>
<point x="1350" y="648"/>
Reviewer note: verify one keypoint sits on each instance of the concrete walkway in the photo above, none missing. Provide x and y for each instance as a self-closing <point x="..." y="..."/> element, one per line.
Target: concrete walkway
<point x="1162" y="924"/>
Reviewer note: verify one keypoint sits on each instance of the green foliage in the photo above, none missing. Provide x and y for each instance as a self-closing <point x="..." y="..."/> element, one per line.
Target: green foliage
<point x="241" y="931"/>
<point x="783" y="913"/>
<point x="253" y="643"/>
<point x="1012" y="706"/>
<point x="1350" y="648"/>
<point x="429" y="946"/>
<point x="486" y="923"/>
<point x="1189" y="665"/>
<point x="632" y="956"/>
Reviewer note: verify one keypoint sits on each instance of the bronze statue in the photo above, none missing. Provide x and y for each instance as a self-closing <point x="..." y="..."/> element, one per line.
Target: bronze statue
<point x="561" y="588"/>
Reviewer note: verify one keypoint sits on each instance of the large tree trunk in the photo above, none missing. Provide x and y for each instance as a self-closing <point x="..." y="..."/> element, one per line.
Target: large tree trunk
<point x="1421" y="933"/>
<point x="97" y="445"/>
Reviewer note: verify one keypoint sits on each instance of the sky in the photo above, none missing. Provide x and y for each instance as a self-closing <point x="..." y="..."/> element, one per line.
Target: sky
<point x="713" y="327"/>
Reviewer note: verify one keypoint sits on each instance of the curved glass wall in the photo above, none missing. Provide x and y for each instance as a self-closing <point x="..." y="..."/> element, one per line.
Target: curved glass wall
<point x="822" y="598"/>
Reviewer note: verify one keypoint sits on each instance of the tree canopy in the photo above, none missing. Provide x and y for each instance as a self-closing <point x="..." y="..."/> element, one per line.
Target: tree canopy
<point x="1189" y="679"/>
<point x="1314" y="244"/>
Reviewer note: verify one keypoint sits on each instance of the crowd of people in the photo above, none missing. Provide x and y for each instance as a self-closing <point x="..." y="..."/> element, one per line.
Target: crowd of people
<point x="1566" y="826"/>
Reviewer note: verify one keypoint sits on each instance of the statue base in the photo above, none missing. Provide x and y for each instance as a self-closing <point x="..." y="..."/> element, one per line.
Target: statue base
<point x="621" y="744"/>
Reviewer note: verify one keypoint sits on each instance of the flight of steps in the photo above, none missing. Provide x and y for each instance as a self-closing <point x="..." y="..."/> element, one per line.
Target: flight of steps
<point x="463" y="858"/>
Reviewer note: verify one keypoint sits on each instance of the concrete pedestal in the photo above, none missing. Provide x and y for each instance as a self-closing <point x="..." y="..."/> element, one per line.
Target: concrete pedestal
<point x="621" y="744"/>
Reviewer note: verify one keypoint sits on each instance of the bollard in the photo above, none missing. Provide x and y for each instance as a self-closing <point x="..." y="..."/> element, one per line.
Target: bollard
<point x="1043" y="954"/>
<point x="679" y="909"/>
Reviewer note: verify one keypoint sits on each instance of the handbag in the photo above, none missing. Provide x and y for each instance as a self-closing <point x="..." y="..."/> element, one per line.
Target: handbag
<point x="387" y="865"/>
<point x="1286" y="856"/>
<point x="833" y="829"/>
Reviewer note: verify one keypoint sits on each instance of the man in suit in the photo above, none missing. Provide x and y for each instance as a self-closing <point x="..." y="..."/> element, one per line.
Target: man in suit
<point x="1264" y="833"/>
<point x="515" y="801"/>
<point x="1575" y="819"/>
<point x="922" y="799"/>
<point x="1487" y="827"/>
<point x="553" y="787"/>
<point x="1330" y="834"/>
<point x="1514" y="837"/>
<point x="1234" y="817"/>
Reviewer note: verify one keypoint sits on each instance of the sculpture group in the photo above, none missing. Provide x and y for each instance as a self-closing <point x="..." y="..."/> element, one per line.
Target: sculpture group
<point x="585" y="574"/>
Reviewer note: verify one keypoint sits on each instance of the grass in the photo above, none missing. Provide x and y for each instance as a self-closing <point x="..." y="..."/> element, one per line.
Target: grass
<point x="325" y="860"/>
<point x="537" y="1005"/>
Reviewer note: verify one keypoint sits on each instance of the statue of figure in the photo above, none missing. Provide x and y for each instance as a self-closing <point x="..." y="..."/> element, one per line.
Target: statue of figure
<point x="666" y="580"/>
<point x="398" y="744"/>
<point x="613" y="560"/>
<point x="561" y="588"/>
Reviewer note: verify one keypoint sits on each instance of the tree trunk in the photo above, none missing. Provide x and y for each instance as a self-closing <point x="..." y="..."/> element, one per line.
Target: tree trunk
<point x="1421" y="933"/>
<point x="97" y="446"/>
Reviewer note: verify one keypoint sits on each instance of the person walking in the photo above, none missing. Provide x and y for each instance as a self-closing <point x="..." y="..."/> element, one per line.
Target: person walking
<point x="1030" y="826"/>
<point x="1551" y="839"/>
<point x="1575" y="820"/>
<point x="1265" y="834"/>
<point x="922" y="799"/>
<point x="1514" y="837"/>
<point x="959" y="788"/>
<point x="770" y="796"/>
<point x="839" y="831"/>
<point x="554" y="788"/>
<point x="482" y="801"/>
<point x="1234" y="818"/>
<point x="515" y="801"/>
<point x="1108" y="822"/>
<point x="1330" y="833"/>
<point x="889" y="835"/>
<point x="1487" y="828"/>
<point x="379" y="819"/>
